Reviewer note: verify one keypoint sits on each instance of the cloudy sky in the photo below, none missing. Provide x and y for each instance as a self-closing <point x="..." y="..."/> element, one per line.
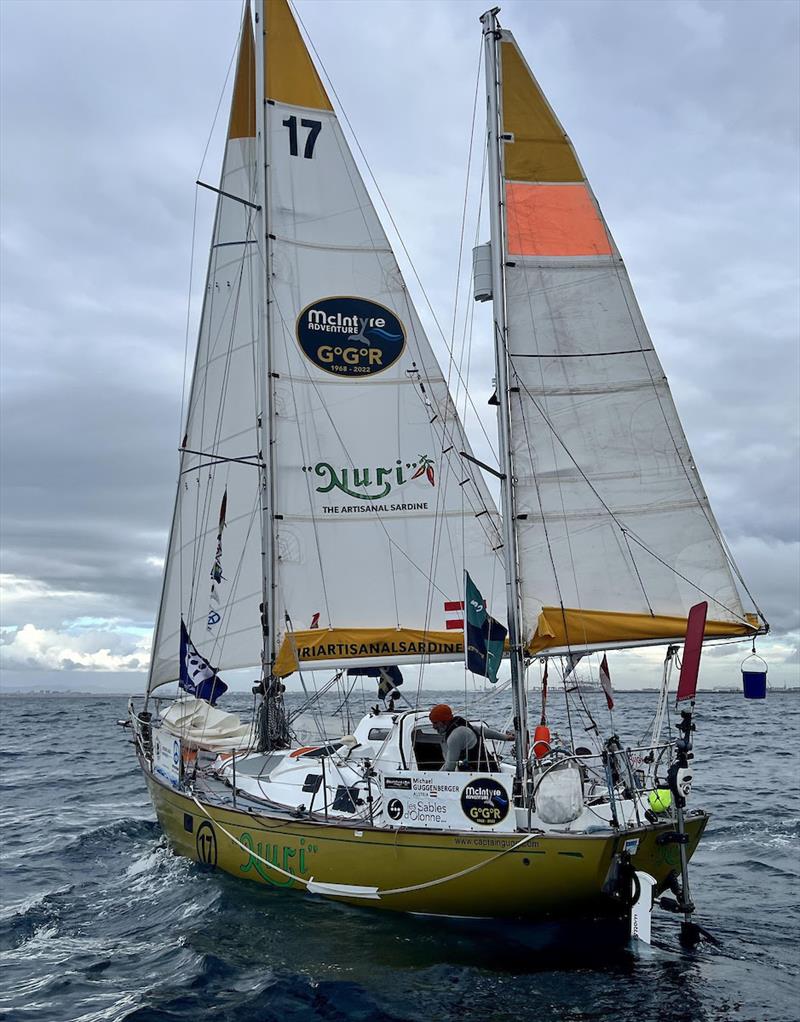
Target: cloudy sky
<point x="685" y="116"/>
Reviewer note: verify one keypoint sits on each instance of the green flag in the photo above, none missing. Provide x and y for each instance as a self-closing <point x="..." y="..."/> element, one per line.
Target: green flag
<point x="483" y="636"/>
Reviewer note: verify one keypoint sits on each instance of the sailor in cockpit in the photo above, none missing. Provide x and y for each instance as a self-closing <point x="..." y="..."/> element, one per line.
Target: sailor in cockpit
<point x="465" y="746"/>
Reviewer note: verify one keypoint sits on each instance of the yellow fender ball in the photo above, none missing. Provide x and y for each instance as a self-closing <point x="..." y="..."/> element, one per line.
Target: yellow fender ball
<point x="660" y="800"/>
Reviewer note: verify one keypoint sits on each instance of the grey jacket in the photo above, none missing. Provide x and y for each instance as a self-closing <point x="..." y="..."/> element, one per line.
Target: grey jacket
<point x="462" y="739"/>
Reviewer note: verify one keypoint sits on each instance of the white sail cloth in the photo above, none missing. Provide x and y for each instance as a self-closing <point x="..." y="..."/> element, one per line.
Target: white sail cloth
<point x="616" y="537"/>
<point x="617" y="518"/>
<point x="221" y="423"/>
<point x="369" y="535"/>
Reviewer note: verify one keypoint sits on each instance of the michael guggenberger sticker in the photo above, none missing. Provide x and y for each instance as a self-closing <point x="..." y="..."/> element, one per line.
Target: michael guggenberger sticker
<point x="485" y="801"/>
<point x="350" y="337"/>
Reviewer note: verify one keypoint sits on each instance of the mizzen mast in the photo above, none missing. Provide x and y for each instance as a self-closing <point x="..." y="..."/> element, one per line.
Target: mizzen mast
<point x="517" y="652"/>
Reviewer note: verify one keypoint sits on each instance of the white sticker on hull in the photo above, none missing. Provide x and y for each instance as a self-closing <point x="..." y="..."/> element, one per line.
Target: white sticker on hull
<point x="167" y="758"/>
<point x="452" y="801"/>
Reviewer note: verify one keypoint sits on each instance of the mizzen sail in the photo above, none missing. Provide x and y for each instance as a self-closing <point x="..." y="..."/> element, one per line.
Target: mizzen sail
<point x="616" y="536"/>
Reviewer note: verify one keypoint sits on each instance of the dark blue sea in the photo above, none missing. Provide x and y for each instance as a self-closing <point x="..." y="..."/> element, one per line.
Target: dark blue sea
<point x="100" y="921"/>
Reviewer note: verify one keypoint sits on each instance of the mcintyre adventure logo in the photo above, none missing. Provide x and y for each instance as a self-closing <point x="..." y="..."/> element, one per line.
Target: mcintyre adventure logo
<point x="350" y="337"/>
<point x="484" y="801"/>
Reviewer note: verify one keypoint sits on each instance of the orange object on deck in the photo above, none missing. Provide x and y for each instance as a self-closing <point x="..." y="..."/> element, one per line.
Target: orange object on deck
<point x="541" y="741"/>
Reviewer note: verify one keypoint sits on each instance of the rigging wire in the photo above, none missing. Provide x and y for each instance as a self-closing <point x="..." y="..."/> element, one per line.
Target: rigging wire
<point x="381" y="196"/>
<point x="222" y="93"/>
<point x="526" y="270"/>
<point x="447" y="437"/>
<point x="701" y="498"/>
<point x="378" y="516"/>
<point x="176" y="518"/>
<point x="198" y="391"/>
<point x="620" y="525"/>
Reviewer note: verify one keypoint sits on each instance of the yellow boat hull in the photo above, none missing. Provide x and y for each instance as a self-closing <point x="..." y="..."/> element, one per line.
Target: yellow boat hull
<point x="547" y="877"/>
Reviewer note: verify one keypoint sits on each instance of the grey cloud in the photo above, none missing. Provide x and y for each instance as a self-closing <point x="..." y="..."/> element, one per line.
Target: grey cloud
<point x="684" y="114"/>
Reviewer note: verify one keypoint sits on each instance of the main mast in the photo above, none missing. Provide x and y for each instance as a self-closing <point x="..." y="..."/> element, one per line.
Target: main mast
<point x="268" y="615"/>
<point x="517" y="653"/>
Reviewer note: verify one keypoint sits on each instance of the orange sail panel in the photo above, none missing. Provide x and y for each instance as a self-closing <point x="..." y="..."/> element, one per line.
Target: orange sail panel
<point x="550" y="210"/>
<point x="553" y="220"/>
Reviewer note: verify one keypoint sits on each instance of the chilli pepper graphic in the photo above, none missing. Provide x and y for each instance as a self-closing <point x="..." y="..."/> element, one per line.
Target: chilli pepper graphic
<point x="426" y="466"/>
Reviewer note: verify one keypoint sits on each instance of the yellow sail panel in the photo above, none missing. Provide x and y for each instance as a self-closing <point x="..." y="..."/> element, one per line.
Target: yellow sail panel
<point x="335" y="645"/>
<point x="558" y="629"/>
<point x="243" y="107"/>
<point x="290" y="73"/>
<point x="539" y="149"/>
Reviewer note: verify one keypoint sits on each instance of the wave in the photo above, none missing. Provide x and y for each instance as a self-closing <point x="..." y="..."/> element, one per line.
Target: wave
<point x="38" y="915"/>
<point x="773" y="833"/>
<point x="759" y="866"/>
<point x="209" y="996"/>
<point x="129" y="828"/>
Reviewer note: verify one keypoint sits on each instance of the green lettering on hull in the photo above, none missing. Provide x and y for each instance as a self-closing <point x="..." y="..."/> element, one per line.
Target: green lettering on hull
<point x="279" y="855"/>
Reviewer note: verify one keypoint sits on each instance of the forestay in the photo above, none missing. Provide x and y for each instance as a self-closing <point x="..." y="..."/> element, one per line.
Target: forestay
<point x="616" y="536"/>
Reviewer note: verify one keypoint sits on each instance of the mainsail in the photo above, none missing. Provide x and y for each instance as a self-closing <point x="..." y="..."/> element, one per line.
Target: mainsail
<point x="376" y="515"/>
<point x="615" y="533"/>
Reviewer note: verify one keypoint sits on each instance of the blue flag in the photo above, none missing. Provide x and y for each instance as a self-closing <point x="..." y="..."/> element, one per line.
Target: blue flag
<point x="198" y="677"/>
<point x="388" y="677"/>
<point x="484" y="638"/>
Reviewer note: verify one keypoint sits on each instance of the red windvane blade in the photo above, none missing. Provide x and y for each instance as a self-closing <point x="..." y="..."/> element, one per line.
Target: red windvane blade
<point x="692" y="648"/>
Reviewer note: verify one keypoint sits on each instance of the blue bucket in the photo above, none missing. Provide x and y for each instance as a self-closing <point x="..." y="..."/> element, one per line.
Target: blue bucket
<point x="754" y="677"/>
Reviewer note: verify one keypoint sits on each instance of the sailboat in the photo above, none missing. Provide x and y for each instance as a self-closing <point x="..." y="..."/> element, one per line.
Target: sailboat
<point x="332" y="522"/>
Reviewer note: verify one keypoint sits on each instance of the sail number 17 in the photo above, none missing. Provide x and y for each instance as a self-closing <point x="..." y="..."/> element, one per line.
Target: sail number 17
<point x="314" y="128"/>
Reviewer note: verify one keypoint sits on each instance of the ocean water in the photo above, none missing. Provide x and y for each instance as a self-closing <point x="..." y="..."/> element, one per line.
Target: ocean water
<point x="100" y="921"/>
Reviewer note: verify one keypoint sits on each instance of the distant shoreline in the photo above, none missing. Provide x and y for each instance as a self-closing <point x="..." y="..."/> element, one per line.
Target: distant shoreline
<point x="62" y="694"/>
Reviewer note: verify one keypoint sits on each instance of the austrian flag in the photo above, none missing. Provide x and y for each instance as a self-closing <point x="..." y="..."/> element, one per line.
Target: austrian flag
<point x="605" y="682"/>
<point x="454" y="615"/>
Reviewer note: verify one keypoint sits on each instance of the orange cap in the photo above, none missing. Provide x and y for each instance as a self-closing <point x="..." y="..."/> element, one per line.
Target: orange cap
<point x="441" y="714"/>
